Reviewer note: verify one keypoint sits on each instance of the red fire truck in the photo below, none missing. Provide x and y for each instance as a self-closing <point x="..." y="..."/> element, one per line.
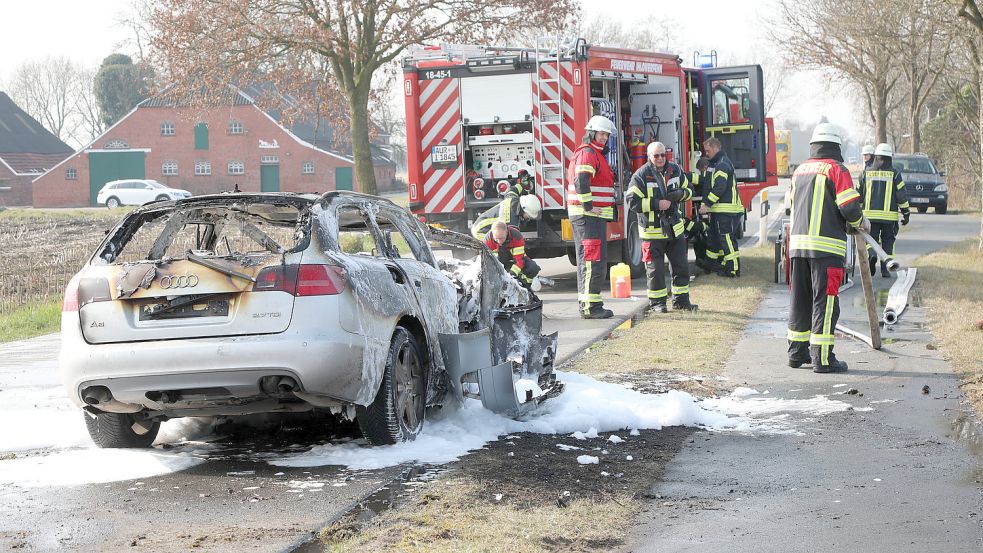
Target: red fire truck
<point x="479" y="115"/>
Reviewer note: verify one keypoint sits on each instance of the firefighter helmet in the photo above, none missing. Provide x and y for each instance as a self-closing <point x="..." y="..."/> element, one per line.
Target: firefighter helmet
<point x="884" y="149"/>
<point x="826" y="132"/>
<point x="531" y="206"/>
<point x="868" y="150"/>
<point x="602" y="124"/>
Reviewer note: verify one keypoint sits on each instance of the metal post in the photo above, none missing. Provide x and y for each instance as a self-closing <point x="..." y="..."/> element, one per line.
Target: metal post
<point x="763" y="219"/>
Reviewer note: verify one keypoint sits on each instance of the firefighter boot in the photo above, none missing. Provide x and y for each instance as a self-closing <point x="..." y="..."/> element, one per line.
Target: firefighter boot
<point x="834" y="366"/>
<point x="682" y="303"/>
<point x="873" y="265"/>
<point x="596" y="312"/>
<point x="658" y="305"/>
<point x="705" y="265"/>
<point x="798" y="355"/>
<point x="884" y="272"/>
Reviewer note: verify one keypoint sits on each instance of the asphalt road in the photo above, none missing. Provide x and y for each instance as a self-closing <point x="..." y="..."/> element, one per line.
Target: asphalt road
<point x="902" y="471"/>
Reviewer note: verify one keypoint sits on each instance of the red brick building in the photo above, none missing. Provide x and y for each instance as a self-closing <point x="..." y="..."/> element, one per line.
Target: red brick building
<point x="27" y="150"/>
<point x="202" y="150"/>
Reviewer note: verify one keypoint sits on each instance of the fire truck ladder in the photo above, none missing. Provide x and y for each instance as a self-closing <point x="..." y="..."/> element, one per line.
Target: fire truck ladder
<point x="549" y="56"/>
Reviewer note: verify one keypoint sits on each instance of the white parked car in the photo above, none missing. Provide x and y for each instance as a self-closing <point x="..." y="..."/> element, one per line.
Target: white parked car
<point x="137" y="192"/>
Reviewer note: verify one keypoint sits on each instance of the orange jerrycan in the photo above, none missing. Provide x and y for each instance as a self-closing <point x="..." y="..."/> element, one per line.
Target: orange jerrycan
<point x="621" y="281"/>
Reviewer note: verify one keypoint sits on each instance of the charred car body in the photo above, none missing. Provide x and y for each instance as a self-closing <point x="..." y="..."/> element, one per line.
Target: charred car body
<point x="236" y="304"/>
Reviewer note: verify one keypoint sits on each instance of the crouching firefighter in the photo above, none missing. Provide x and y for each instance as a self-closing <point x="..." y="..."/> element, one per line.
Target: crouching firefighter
<point x="514" y="208"/>
<point x="724" y="205"/>
<point x="824" y="205"/>
<point x="510" y="248"/>
<point x="882" y="190"/>
<point x="654" y="194"/>
<point x="697" y="225"/>
<point x="590" y="205"/>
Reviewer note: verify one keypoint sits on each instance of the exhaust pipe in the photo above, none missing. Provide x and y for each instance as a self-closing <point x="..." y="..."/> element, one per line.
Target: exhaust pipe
<point x="287" y="385"/>
<point x="102" y="399"/>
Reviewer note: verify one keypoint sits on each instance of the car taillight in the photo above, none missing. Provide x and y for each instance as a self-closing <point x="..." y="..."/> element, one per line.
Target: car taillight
<point x="301" y="280"/>
<point x="71" y="301"/>
<point x="479" y="194"/>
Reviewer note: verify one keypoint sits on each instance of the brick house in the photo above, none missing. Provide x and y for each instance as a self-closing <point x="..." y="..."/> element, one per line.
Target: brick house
<point x="27" y="150"/>
<point x="202" y="150"/>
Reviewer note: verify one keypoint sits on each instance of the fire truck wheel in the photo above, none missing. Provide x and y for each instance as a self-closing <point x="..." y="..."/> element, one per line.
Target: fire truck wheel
<point x="572" y="256"/>
<point x="631" y="252"/>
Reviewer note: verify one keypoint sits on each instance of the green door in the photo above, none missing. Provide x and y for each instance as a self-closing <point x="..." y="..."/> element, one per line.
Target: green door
<point x="343" y="178"/>
<point x="109" y="166"/>
<point x="269" y="178"/>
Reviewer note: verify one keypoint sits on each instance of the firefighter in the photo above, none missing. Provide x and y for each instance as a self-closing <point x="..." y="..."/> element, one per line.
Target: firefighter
<point x="824" y="205"/>
<point x="590" y="205"/>
<point x="510" y="247"/>
<point x="515" y="207"/>
<point x="883" y="190"/>
<point x="696" y="225"/>
<point x="724" y="205"/>
<point x="656" y="190"/>
<point x="868" y="155"/>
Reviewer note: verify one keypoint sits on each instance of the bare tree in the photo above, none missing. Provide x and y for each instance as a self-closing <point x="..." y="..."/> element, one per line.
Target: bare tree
<point x="135" y="18"/>
<point x="47" y="90"/>
<point x="217" y="42"/>
<point x="970" y="11"/>
<point x="90" y="124"/>
<point x="844" y="39"/>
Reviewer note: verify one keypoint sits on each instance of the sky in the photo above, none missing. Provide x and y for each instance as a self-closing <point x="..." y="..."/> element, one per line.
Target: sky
<point x="89" y="31"/>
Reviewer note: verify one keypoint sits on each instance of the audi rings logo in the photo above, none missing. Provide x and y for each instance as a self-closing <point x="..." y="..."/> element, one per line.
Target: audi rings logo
<point x="172" y="282"/>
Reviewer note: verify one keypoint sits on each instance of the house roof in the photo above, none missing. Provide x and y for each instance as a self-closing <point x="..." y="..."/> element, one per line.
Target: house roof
<point x="25" y="145"/>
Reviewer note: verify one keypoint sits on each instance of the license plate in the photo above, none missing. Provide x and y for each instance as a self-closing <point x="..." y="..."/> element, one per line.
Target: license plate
<point x="918" y="200"/>
<point x="445" y="153"/>
<point x="163" y="310"/>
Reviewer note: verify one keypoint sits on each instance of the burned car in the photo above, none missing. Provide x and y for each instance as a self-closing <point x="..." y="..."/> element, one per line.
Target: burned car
<point x="245" y="303"/>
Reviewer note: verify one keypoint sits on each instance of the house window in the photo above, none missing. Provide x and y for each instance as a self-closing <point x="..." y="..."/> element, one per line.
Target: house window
<point x="71" y="174"/>
<point x="237" y="168"/>
<point x="167" y="128"/>
<point x="201" y="136"/>
<point x="117" y="144"/>
<point x="235" y="127"/>
<point x="269" y="160"/>
<point x="307" y="168"/>
<point x="168" y="169"/>
<point x="203" y="168"/>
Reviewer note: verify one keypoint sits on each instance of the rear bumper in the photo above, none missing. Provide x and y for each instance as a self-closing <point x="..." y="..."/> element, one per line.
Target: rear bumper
<point x="212" y="371"/>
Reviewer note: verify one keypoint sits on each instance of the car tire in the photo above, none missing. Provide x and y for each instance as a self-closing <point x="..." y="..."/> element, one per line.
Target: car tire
<point x="941" y="209"/>
<point x="162" y="198"/>
<point x="397" y="413"/>
<point x="113" y="202"/>
<point x="922" y="209"/>
<point x="631" y="253"/>
<point x="120" y="430"/>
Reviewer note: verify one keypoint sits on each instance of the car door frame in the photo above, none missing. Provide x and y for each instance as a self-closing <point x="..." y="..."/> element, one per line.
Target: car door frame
<point x="744" y="136"/>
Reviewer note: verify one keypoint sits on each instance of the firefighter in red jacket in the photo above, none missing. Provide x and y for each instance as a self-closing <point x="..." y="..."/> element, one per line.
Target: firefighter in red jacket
<point x="590" y="205"/>
<point x="510" y="247"/>
<point x="824" y="205"/>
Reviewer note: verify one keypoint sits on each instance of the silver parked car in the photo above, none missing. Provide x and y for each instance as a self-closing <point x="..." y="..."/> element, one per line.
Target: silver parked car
<point x="234" y="304"/>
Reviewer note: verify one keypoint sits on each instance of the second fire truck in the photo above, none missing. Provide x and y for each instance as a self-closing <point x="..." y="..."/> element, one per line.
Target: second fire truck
<point x="480" y="115"/>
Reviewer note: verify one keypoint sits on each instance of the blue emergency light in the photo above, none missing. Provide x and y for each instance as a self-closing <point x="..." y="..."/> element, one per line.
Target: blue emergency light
<point x="705" y="61"/>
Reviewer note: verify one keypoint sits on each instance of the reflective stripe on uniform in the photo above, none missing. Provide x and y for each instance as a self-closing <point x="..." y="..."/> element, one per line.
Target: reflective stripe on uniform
<point x="606" y="212"/>
<point x="881" y="215"/>
<point x="846" y="196"/>
<point x="657" y="294"/>
<point x="585" y="169"/>
<point x="818" y="243"/>
<point x="677" y="290"/>
<point x="796" y="336"/>
<point x="655" y="233"/>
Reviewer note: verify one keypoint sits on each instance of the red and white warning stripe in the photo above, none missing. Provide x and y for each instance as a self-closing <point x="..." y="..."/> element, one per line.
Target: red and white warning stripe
<point x="440" y="123"/>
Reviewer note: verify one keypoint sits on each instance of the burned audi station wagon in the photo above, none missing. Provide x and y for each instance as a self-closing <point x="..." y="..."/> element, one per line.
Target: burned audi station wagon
<point x="244" y="303"/>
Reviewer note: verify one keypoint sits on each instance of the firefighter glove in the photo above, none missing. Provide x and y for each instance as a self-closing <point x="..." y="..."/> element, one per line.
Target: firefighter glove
<point x="905" y="215"/>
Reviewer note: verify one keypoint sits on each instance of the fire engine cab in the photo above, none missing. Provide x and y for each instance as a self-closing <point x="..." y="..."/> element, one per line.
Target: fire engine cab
<point x="479" y="115"/>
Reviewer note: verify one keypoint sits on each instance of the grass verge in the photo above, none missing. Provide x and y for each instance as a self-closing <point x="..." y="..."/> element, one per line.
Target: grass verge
<point x="519" y="494"/>
<point x="950" y="285"/>
<point x="31" y="320"/>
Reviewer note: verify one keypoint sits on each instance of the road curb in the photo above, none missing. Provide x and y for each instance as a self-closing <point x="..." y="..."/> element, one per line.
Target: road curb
<point x="616" y="321"/>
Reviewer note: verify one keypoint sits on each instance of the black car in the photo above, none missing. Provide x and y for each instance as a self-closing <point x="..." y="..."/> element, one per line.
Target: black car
<point x="923" y="182"/>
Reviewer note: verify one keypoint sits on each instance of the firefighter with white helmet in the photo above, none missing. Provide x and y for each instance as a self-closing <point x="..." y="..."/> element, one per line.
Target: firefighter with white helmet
<point x="824" y="205"/>
<point x="883" y="191"/>
<point x="590" y="205"/>
<point x="514" y="208"/>
<point x="868" y="155"/>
